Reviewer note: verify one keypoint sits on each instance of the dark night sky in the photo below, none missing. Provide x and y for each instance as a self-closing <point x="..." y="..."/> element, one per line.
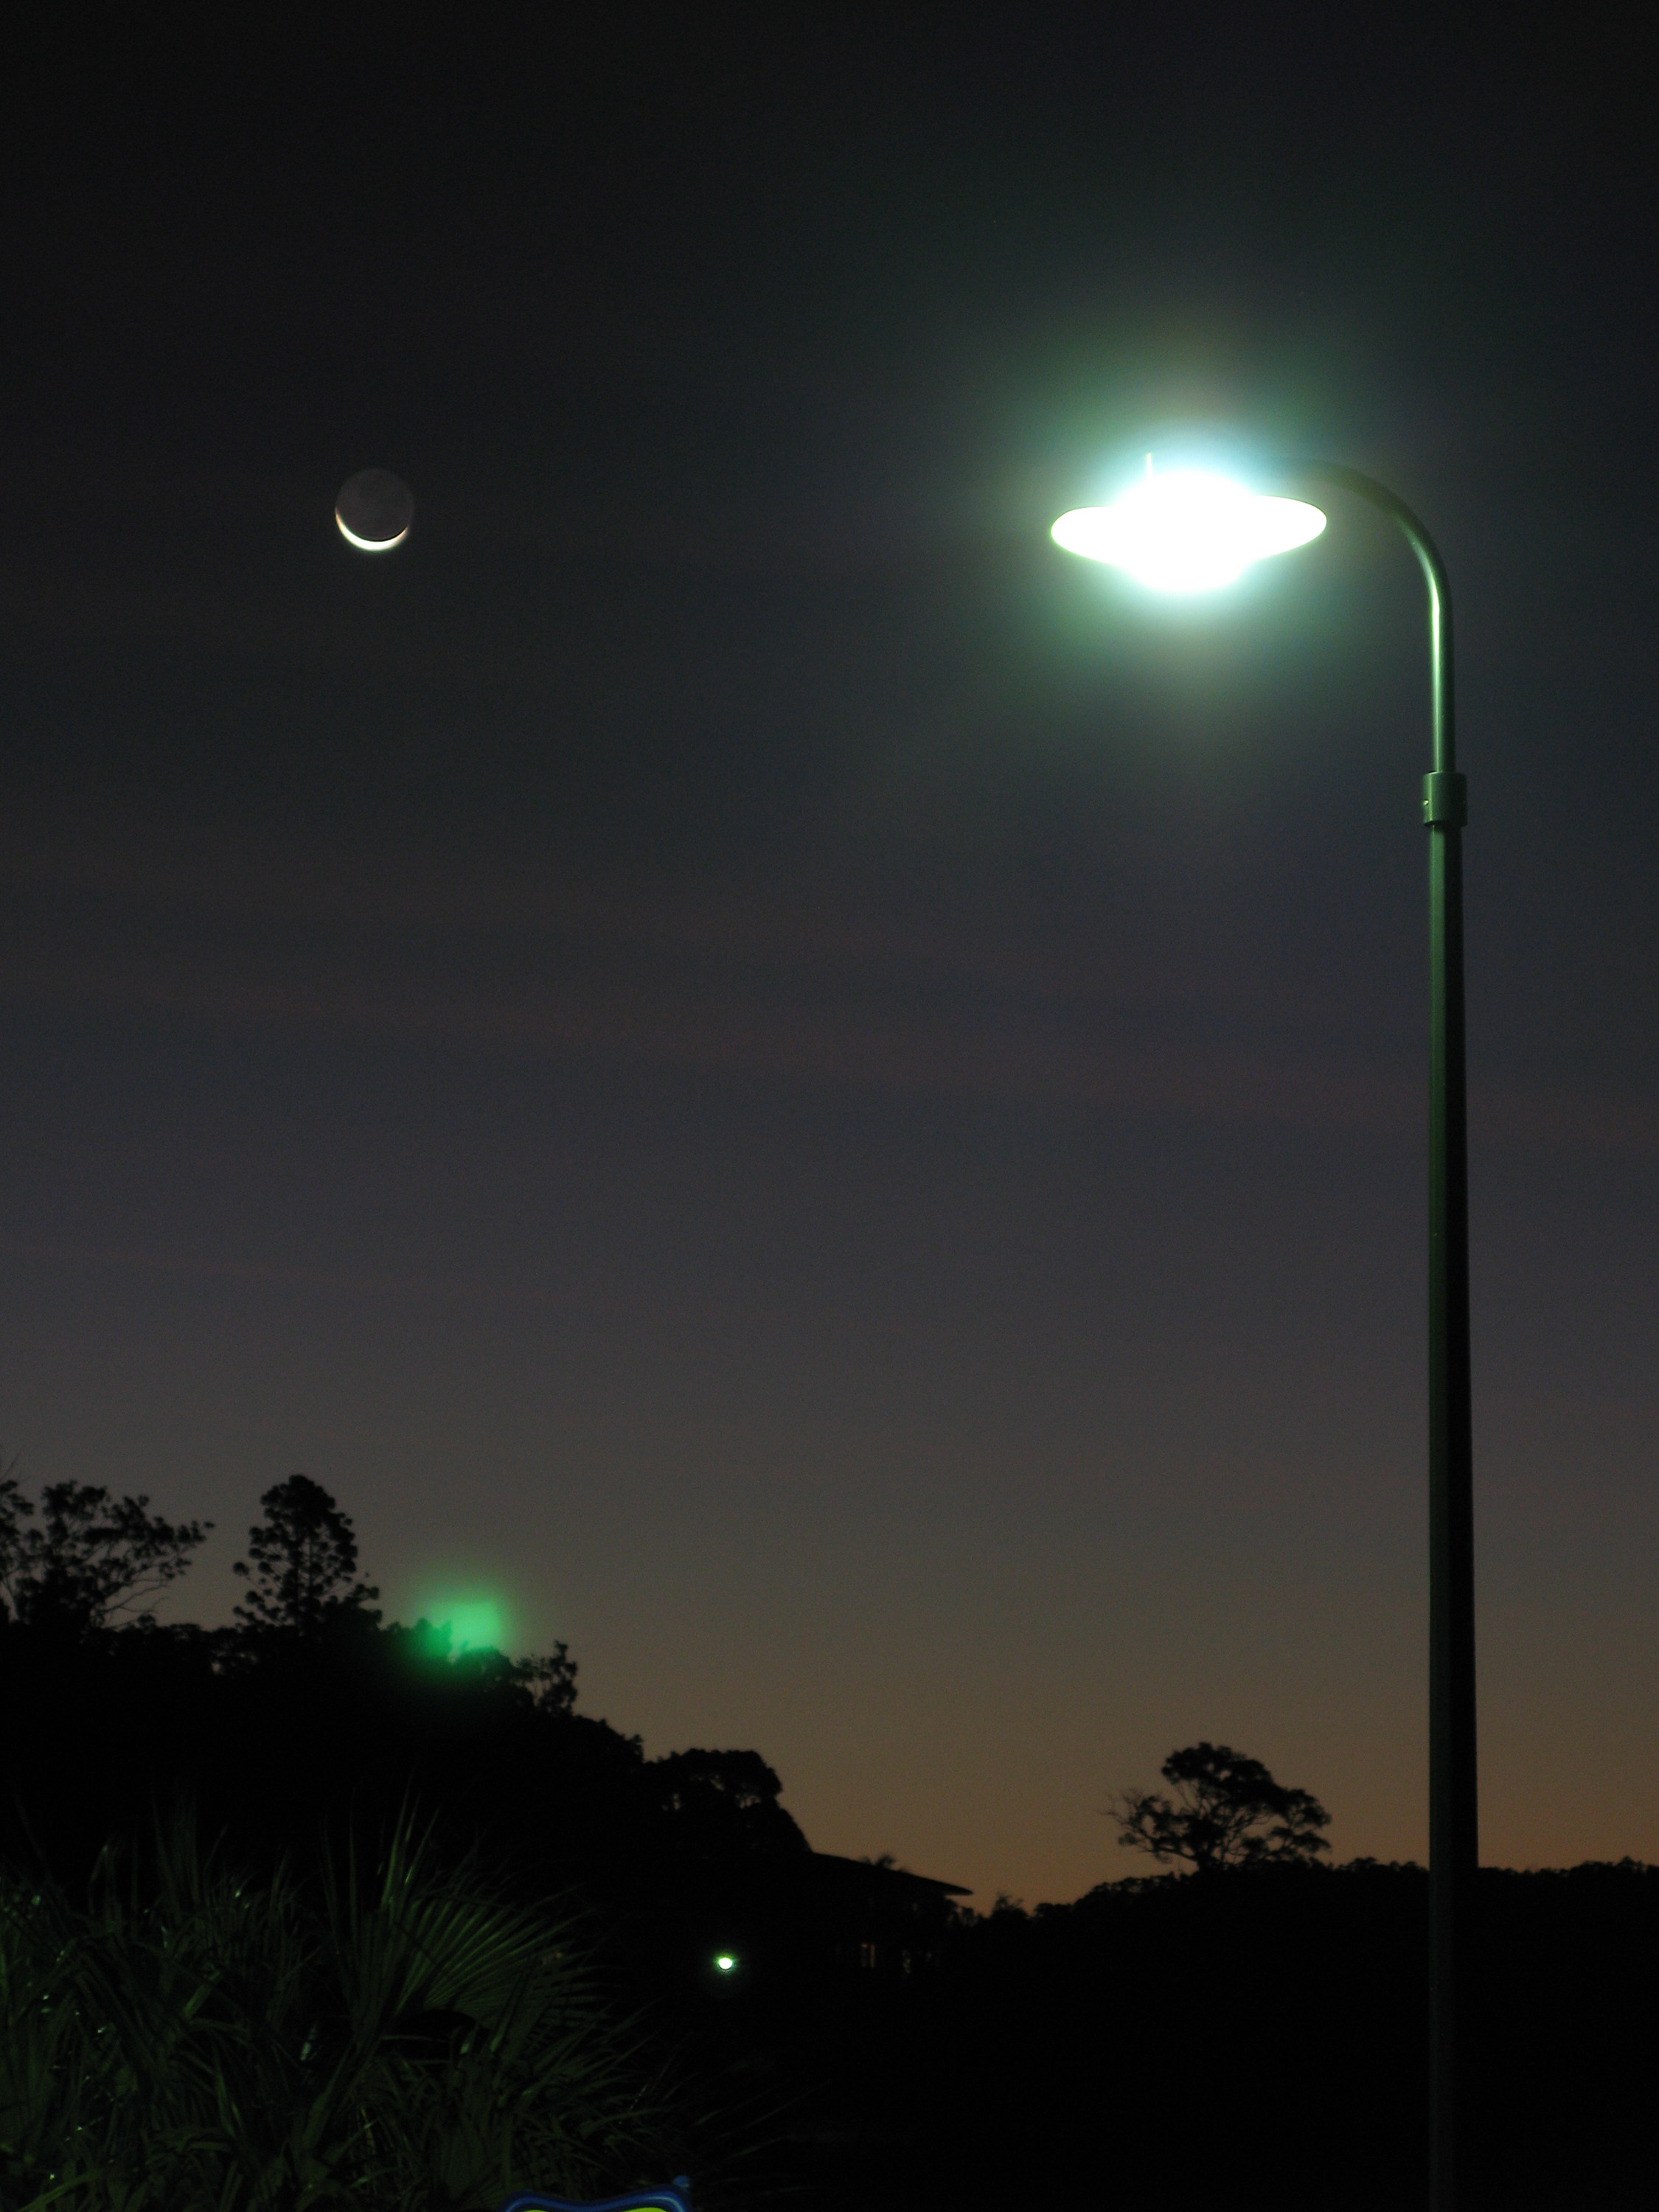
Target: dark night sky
<point x="728" y="1045"/>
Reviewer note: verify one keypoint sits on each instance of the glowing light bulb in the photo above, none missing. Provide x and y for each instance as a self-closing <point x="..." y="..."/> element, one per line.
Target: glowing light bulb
<point x="1188" y="530"/>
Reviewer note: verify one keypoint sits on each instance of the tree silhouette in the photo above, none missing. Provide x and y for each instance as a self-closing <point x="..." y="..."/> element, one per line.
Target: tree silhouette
<point x="92" y="1560"/>
<point x="304" y="1557"/>
<point x="727" y="1800"/>
<point x="549" y="1677"/>
<point x="1229" y="1813"/>
<point x="14" y="1510"/>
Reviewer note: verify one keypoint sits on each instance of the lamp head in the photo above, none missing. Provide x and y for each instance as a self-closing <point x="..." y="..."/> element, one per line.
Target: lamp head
<point x="1186" y="529"/>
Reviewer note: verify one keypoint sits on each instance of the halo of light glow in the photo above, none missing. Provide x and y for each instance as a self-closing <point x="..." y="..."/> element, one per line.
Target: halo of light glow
<point x="725" y="1962"/>
<point x="472" y="1623"/>
<point x="1188" y="530"/>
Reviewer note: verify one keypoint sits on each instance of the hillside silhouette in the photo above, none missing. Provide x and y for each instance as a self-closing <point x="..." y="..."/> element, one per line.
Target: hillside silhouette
<point x="1254" y="2027"/>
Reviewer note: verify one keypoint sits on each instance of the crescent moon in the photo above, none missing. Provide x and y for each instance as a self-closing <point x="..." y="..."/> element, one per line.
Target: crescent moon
<point x="372" y="544"/>
<point x="374" y="510"/>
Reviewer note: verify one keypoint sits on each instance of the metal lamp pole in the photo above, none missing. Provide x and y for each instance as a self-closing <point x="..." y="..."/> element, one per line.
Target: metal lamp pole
<point x="1453" y="1813"/>
<point x="1190" y="530"/>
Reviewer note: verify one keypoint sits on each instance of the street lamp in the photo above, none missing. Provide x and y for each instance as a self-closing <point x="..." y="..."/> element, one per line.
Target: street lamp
<point x="1188" y="530"/>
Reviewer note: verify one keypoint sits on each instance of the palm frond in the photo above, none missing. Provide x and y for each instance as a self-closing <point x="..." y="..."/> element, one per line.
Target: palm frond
<point x="189" y="2041"/>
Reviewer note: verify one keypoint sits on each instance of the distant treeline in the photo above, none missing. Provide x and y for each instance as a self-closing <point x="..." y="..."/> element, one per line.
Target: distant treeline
<point x="1250" y="2031"/>
<point x="307" y="1711"/>
<point x="1264" y="2033"/>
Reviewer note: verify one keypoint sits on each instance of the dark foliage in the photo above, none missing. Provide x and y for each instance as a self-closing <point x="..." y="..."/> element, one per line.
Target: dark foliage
<point x="1229" y="1812"/>
<point x="91" y="1560"/>
<point x="1263" y="2036"/>
<point x="1260" y="2027"/>
<point x="398" y="2037"/>
<point x="724" y="1804"/>
<point x="303" y="1555"/>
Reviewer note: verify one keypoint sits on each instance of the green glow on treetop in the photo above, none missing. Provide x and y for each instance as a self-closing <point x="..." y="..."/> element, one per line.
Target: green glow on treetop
<point x="473" y="1623"/>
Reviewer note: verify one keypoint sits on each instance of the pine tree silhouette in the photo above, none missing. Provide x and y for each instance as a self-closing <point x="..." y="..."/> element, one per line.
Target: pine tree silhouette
<point x="304" y="1557"/>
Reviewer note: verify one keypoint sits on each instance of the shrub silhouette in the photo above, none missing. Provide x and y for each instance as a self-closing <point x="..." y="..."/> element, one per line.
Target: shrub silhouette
<point x="192" y="2042"/>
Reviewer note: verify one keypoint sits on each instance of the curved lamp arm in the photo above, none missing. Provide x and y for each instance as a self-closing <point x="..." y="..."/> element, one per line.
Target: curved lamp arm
<point x="1440" y="618"/>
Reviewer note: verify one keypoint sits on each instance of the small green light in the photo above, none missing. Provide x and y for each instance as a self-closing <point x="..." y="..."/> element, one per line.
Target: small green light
<point x="725" y="1962"/>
